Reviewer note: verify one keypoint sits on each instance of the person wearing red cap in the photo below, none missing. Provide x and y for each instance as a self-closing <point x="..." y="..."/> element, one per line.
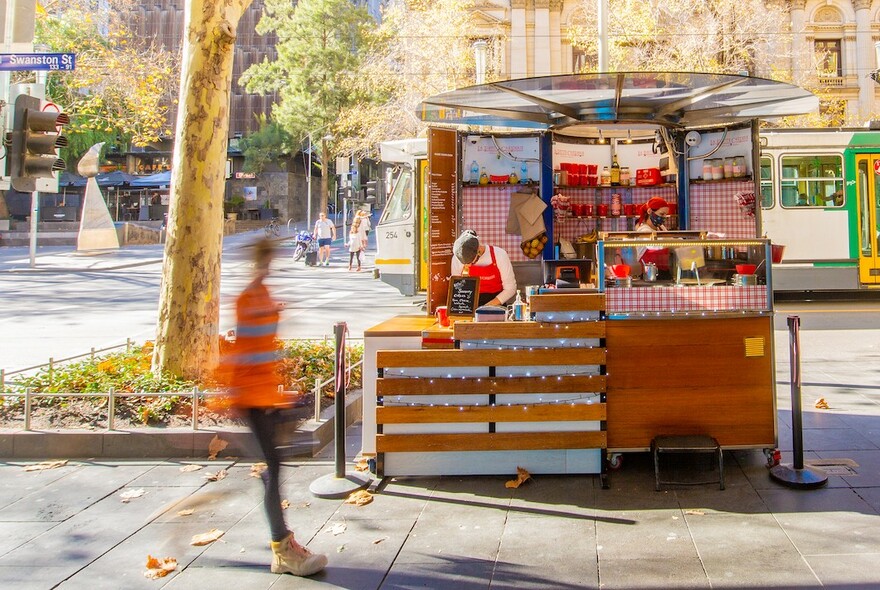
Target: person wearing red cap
<point x="652" y="218"/>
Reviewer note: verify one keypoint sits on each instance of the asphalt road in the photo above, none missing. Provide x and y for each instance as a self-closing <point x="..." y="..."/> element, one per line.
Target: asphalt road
<point x="72" y="302"/>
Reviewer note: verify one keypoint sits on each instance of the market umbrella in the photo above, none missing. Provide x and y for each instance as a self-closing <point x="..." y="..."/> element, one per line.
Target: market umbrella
<point x="115" y="178"/>
<point x="162" y="179"/>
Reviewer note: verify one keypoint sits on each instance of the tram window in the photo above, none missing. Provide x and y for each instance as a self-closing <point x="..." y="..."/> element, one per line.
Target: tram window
<point x="767" y="199"/>
<point x="399" y="204"/>
<point x="812" y="181"/>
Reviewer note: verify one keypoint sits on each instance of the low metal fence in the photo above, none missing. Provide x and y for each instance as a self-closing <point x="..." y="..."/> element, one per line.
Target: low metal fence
<point x="195" y="395"/>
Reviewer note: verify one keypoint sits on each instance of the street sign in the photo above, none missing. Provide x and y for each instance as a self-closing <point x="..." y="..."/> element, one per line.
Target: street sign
<point x="37" y="61"/>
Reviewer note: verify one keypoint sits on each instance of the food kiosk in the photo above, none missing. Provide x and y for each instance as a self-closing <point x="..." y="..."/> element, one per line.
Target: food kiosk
<point x="623" y="358"/>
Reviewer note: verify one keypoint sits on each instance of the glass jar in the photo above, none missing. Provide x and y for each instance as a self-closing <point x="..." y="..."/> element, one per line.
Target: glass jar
<point x="605" y="177"/>
<point x="707" y="169"/>
<point x="728" y="167"/>
<point x="717" y="169"/>
<point x="625" y="176"/>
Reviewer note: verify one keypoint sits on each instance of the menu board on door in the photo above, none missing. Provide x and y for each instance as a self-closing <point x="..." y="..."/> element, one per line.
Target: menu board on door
<point x="442" y="211"/>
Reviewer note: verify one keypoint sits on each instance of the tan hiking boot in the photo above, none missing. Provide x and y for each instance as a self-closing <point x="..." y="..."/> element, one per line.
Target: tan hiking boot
<point x="289" y="557"/>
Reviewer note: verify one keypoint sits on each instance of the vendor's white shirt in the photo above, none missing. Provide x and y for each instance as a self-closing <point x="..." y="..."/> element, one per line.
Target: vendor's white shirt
<point x="324" y="229"/>
<point x="508" y="279"/>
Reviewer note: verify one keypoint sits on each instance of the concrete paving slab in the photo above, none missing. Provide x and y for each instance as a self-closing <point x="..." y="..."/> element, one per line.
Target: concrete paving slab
<point x="30" y="578"/>
<point x="659" y="534"/>
<point x="67" y="496"/>
<point x="652" y="573"/>
<point x="565" y="496"/>
<point x="450" y="571"/>
<point x="826" y="521"/>
<point x="15" y="534"/>
<point x="764" y="555"/>
<point x="854" y="572"/>
<point x="867" y="472"/>
<point x="16" y="483"/>
<point x="202" y="578"/>
<point x="532" y="549"/>
<point x="123" y="564"/>
<point x="168" y="473"/>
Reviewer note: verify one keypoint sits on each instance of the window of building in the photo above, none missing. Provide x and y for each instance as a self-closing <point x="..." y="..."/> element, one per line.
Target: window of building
<point x="767" y="199"/>
<point x="828" y="58"/>
<point x="811" y="180"/>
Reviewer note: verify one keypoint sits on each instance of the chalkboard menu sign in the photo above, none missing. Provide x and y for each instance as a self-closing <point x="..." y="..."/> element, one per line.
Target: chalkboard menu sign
<point x="442" y="211"/>
<point x="464" y="295"/>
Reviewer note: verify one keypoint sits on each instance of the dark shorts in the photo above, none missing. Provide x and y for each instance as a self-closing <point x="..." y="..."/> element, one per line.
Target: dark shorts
<point x="324" y="242"/>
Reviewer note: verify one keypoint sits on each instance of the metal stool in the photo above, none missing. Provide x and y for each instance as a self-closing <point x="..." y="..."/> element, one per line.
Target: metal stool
<point x="686" y="443"/>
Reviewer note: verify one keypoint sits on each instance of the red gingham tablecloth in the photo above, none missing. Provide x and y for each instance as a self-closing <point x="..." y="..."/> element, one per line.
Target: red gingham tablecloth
<point x="675" y="299"/>
<point x="714" y="207"/>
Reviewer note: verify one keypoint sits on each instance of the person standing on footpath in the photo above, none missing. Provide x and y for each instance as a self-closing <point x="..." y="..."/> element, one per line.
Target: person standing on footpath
<point x="325" y="233"/>
<point x="366" y="225"/>
<point x="356" y="242"/>
<point x="253" y="379"/>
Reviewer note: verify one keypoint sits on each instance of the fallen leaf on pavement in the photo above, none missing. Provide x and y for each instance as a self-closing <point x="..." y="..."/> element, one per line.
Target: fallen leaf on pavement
<point x="216" y="445"/>
<point x="285" y="504"/>
<point x="190" y="467"/>
<point x="159" y="568"/>
<point x="337" y="529"/>
<point x="206" y="538"/>
<point x="46" y="465"/>
<point x="303" y="505"/>
<point x="359" y="498"/>
<point x="695" y="512"/>
<point x="185" y="512"/>
<point x="822" y="404"/>
<point x="521" y="476"/>
<point x="340" y="549"/>
<point x="216" y="476"/>
<point x="128" y="495"/>
<point x="257" y="469"/>
<point x="362" y="465"/>
<point x="379" y="540"/>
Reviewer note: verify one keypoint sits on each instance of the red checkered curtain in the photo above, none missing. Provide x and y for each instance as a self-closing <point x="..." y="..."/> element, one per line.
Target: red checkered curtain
<point x="719" y="208"/>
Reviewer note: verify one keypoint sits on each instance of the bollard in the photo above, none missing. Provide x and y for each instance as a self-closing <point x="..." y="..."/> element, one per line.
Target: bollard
<point x="340" y="483"/>
<point x="111" y="409"/>
<point x="317" y="396"/>
<point x="195" y="408"/>
<point x="27" y="409"/>
<point x="797" y="476"/>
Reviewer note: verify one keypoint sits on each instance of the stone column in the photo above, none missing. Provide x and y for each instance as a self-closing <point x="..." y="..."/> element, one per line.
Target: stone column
<point x="801" y="52"/>
<point x="556" y="66"/>
<point x="865" y="62"/>
<point x="542" y="38"/>
<point x="518" y="63"/>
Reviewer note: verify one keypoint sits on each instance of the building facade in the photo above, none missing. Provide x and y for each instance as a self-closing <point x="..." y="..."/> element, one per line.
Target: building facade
<point x="832" y="47"/>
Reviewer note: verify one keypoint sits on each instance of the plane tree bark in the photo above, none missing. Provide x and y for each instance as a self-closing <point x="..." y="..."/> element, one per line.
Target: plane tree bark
<point x="189" y="302"/>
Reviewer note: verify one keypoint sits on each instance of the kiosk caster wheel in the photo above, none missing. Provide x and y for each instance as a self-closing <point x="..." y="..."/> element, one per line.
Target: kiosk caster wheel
<point x="615" y="461"/>
<point x="773" y="456"/>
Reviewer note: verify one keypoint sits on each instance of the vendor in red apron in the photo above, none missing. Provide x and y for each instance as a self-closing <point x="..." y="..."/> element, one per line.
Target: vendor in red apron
<point x="491" y="264"/>
<point x="652" y="218"/>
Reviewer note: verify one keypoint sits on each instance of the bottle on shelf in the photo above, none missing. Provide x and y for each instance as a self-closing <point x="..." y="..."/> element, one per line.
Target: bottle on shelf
<point x="512" y="178"/>
<point x="484" y="177"/>
<point x="605" y="177"/>
<point x="475" y="172"/>
<point x="523" y="172"/>
<point x="519" y="308"/>
<point x="615" y="171"/>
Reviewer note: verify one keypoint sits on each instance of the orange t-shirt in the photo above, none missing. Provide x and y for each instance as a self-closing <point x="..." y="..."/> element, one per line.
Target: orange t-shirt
<point x="254" y="377"/>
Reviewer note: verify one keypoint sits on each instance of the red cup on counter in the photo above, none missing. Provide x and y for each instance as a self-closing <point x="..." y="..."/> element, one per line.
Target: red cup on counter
<point x="582" y="169"/>
<point x="589" y="210"/>
<point x="593" y="169"/>
<point x="442" y="313"/>
<point x="629" y="209"/>
<point x="578" y="209"/>
<point x="602" y="210"/>
<point x="592" y="180"/>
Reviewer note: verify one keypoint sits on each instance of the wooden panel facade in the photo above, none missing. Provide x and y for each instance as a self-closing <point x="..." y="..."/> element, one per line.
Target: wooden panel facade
<point x="694" y="376"/>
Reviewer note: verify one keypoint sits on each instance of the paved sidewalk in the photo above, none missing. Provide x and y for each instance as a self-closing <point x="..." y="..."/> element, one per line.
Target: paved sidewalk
<point x="68" y="527"/>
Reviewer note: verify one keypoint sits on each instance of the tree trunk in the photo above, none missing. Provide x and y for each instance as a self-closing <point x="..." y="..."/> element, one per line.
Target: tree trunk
<point x="188" y="324"/>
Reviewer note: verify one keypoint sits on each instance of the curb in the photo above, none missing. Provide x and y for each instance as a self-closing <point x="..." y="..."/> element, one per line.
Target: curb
<point x="62" y="269"/>
<point x="156" y="443"/>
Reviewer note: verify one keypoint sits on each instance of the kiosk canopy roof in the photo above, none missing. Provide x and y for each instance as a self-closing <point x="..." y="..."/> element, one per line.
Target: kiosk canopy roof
<point x="671" y="99"/>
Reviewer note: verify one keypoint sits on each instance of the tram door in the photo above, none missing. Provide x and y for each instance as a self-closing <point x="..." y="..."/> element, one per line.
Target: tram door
<point x="868" y="203"/>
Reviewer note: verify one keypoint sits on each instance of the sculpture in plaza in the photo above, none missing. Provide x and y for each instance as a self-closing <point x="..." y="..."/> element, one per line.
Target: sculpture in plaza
<point x="96" y="229"/>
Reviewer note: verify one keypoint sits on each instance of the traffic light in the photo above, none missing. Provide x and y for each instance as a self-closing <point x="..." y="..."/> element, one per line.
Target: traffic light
<point x="33" y="147"/>
<point x="371" y="191"/>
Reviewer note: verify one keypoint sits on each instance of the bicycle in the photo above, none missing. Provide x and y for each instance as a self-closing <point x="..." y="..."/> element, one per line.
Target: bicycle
<point x="272" y="228"/>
